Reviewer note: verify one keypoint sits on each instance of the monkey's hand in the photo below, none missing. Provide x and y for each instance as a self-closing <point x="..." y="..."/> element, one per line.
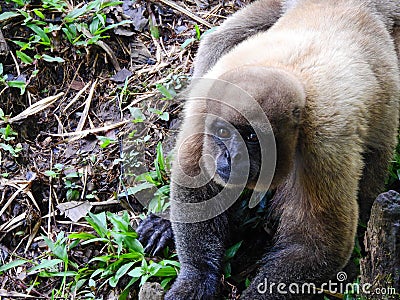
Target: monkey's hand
<point x="155" y="233"/>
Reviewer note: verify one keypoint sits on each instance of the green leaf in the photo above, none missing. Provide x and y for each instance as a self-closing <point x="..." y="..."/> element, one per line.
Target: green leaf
<point x="231" y="251"/>
<point x="58" y="248"/>
<point x="166" y="272"/>
<point x="120" y="272"/>
<point x="154" y="31"/>
<point x="133" y="255"/>
<point x="24" y="57"/>
<point x="45" y="40"/>
<point x="137" y="114"/>
<point x="8" y="15"/>
<point x="82" y="236"/>
<point x="76" y="13"/>
<point x="44" y="265"/>
<point x="100" y="31"/>
<point x="160" y="156"/>
<point x="111" y="3"/>
<point x="95" y="240"/>
<point x="198" y="34"/>
<point x="99" y="223"/>
<point x="137" y="189"/>
<point x="164" y="91"/>
<point x="58" y="274"/>
<point x="13" y="264"/>
<point x="209" y="31"/>
<point x="39" y="13"/>
<point x="105" y="258"/>
<point x="165" y="116"/>
<point x="72" y="195"/>
<point x="51" y="173"/>
<point x="17" y="84"/>
<point x="52" y="59"/>
<point x="187" y="42"/>
<point x="136" y="272"/>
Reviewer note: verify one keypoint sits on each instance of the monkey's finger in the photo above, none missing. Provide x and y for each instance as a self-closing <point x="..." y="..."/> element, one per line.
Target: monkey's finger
<point x="166" y="239"/>
<point x="151" y="243"/>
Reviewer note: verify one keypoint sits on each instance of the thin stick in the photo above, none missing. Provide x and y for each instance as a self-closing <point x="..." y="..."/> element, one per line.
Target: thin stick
<point x="186" y="12"/>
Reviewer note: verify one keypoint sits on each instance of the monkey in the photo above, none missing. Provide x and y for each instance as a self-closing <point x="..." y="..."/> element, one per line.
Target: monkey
<point x="326" y="77"/>
<point x="259" y="16"/>
<point x="154" y="232"/>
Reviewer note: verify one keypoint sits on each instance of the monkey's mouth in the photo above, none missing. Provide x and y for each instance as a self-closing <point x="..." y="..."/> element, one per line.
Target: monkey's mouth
<point x="227" y="176"/>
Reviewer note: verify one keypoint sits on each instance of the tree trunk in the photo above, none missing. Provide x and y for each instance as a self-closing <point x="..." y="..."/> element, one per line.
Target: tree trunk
<point x="380" y="269"/>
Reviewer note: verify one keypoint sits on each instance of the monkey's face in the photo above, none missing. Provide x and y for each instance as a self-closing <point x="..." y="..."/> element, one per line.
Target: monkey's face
<point x="235" y="152"/>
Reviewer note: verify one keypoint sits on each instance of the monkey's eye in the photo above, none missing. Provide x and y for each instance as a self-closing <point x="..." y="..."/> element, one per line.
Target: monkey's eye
<point x="223" y="133"/>
<point x="252" y="138"/>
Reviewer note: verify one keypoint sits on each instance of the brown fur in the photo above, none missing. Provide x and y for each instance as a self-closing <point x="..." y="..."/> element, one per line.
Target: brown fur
<point x="340" y="66"/>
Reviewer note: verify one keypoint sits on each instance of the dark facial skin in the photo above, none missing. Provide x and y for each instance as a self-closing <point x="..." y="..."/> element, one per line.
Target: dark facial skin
<point x="235" y="145"/>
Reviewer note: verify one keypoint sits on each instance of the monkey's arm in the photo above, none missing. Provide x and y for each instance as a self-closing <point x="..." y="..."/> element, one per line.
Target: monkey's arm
<point x="256" y="17"/>
<point x="259" y="16"/>
<point x="200" y="247"/>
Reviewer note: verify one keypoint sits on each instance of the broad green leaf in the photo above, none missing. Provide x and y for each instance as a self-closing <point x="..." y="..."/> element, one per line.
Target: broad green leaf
<point x="104" y="240"/>
<point x="198" y="34"/>
<point x="164" y="91"/>
<point x="99" y="223"/>
<point x="17" y="84"/>
<point x="120" y="272"/>
<point x="8" y="15"/>
<point x="39" y="31"/>
<point x="57" y="274"/>
<point x="137" y="189"/>
<point x="76" y="13"/>
<point x="44" y="265"/>
<point x="187" y="42"/>
<point x="136" y="272"/>
<point x="13" y="264"/>
<point x="111" y="3"/>
<point x="39" y="13"/>
<point x="51" y="173"/>
<point x="24" y="57"/>
<point x="58" y="248"/>
<point x="166" y="272"/>
<point x="231" y="251"/>
<point x="52" y="59"/>
<point x="82" y="236"/>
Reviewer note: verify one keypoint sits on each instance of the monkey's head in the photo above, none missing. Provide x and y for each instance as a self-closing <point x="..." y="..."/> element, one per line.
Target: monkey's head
<point x="243" y="128"/>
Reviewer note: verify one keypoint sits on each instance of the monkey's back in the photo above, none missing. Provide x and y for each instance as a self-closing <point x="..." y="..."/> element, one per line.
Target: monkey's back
<point x="344" y="56"/>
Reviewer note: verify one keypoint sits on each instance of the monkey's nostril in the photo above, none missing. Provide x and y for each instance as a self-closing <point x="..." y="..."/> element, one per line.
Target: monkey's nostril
<point x="226" y="155"/>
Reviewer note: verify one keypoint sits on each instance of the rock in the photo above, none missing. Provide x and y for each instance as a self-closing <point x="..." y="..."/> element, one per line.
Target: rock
<point x="151" y="291"/>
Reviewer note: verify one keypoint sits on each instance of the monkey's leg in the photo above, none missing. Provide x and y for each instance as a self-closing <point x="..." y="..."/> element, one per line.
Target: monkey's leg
<point x="200" y="247"/>
<point x="256" y="17"/>
<point x="373" y="179"/>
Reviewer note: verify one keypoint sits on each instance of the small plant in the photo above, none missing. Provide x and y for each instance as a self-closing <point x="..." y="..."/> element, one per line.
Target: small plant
<point x="7" y="137"/>
<point x="159" y="179"/>
<point x="124" y="252"/>
<point x="4" y="81"/>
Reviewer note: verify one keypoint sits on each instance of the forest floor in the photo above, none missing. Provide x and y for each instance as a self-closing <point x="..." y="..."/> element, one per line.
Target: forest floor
<point x="75" y="80"/>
